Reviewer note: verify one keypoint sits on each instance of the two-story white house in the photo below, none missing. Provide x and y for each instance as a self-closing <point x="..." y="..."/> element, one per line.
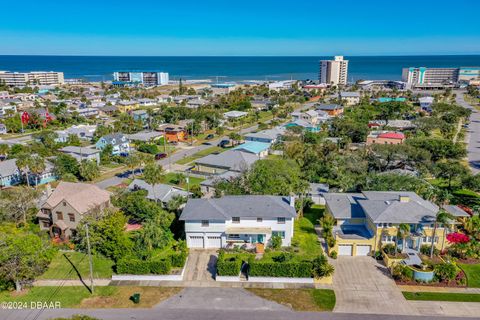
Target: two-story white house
<point x="119" y="142"/>
<point x="231" y="220"/>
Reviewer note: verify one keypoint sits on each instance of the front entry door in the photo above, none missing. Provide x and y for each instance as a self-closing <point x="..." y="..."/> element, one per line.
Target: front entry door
<point x="260" y="238"/>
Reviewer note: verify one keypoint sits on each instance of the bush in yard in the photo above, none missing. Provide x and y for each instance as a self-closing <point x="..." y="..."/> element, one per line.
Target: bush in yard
<point x="446" y="271"/>
<point x="457" y="237"/>
<point x="402" y="272"/>
<point x="333" y="254"/>
<point x="178" y="259"/>
<point x="160" y="266"/>
<point x="425" y="249"/>
<point x="321" y="267"/>
<point x="275" y="269"/>
<point x="132" y="266"/>
<point x="276" y="242"/>
<point x="283" y="257"/>
<point x="228" y="267"/>
<point x="148" y="148"/>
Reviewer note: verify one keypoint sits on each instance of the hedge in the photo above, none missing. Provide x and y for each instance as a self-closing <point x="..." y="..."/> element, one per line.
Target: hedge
<point x="177" y="259"/>
<point x="137" y="266"/>
<point x="228" y="266"/>
<point x="281" y="269"/>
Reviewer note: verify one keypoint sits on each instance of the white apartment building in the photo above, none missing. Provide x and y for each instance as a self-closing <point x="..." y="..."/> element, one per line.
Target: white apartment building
<point x="22" y="79"/>
<point x="148" y="79"/>
<point x="334" y="72"/>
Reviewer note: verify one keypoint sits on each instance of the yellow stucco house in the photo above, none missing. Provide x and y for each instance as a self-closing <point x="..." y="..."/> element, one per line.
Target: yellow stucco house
<point x="367" y="221"/>
<point x="125" y="106"/>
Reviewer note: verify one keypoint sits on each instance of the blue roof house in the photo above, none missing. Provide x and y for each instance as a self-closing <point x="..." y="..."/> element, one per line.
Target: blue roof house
<point x="257" y="148"/>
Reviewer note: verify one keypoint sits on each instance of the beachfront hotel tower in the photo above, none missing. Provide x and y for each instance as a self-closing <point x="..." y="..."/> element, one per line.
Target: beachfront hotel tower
<point x="148" y="79"/>
<point x="334" y="72"/>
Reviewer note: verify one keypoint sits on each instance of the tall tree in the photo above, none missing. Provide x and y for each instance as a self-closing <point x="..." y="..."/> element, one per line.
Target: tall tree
<point x="154" y="175"/>
<point x="89" y="170"/>
<point x="18" y="204"/>
<point x="37" y="166"/>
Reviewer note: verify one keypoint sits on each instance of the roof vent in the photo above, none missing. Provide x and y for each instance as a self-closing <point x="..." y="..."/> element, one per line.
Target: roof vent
<point x="404" y="198"/>
<point x="387" y="202"/>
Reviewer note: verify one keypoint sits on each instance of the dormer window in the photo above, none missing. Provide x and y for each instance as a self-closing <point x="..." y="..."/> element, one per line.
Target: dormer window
<point x="235" y="219"/>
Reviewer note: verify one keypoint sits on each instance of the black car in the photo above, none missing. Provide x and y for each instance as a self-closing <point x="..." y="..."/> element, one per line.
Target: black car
<point x="224" y="143"/>
<point x="159" y="156"/>
<point x="209" y="137"/>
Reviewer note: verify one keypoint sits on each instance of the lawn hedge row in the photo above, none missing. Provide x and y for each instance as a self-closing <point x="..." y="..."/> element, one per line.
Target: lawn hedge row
<point x="177" y="259"/>
<point x="228" y="267"/>
<point x="281" y="269"/>
<point x="137" y="266"/>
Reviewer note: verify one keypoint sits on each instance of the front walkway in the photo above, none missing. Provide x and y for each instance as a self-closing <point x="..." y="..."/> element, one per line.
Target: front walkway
<point x="363" y="285"/>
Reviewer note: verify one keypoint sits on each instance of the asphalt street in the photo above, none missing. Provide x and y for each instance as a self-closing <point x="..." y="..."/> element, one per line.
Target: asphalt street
<point x="473" y="137"/>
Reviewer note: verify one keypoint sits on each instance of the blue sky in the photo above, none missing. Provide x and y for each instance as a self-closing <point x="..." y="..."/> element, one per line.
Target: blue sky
<point x="245" y="27"/>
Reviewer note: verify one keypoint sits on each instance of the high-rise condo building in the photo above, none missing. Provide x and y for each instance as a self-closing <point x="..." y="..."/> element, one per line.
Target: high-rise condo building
<point x="22" y="79"/>
<point x="148" y="79"/>
<point x="334" y="72"/>
<point x="418" y="77"/>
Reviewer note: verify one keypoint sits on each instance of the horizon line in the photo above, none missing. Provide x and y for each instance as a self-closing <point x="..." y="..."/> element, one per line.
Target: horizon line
<point x="235" y="56"/>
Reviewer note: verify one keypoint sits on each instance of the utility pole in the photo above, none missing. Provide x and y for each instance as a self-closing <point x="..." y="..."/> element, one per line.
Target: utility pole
<point x="89" y="258"/>
<point x="188" y="184"/>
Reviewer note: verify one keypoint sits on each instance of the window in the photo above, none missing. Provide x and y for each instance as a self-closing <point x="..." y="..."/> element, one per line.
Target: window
<point x="281" y="220"/>
<point x="64" y="203"/>
<point x="46" y="224"/>
<point x="205" y="223"/>
<point x="259" y="219"/>
<point x="235" y="219"/>
<point x="387" y="238"/>
<point x="59" y="215"/>
<point x="281" y="234"/>
<point x="71" y="217"/>
<point x="233" y="236"/>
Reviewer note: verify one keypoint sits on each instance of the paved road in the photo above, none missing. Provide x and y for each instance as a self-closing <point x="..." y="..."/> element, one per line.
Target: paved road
<point x="203" y="314"/>
<point x="473" y="136"/>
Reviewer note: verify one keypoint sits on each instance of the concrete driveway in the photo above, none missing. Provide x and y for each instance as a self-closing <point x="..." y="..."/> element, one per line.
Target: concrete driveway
<point x="219" y="299"/>
<point x="201" y="265"/>
<point x="362" y="285"/>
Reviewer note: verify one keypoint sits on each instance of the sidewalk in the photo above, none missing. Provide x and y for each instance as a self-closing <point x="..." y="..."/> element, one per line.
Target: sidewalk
<point x="71" y="283"/>
<point x="438" y="289"/>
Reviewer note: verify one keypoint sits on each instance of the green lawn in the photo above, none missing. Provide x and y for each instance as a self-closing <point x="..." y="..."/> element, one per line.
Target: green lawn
<point x="305" y="235"/>
<point x="60" y="267"/>
<point x="473" y="274"/>
<point x="80" y="297"/>
<point x="200" y="154"/>
<point x="170" y="179"/>
<point x="300" y="299"/>
<point x="442" y="296"/>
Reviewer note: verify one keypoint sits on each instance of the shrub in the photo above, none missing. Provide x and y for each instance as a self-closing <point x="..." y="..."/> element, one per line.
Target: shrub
<point x="425" y="249"/>
<point x="160" y="266"/>
<point x="148" y="148"/>
<point x="276" y="242"/>
<point x="283" y="257"/>
<point x="228" y="267"/>
<point x="321" y="267"/>
<point x="333" y="254"/>
<point x="132" y="266"/>
<point x="402" y="272"/>
<point x="286" y="269"/>
<point x="457" y="237"/>
<point x="389" y="249"/>
<point x="178" y="259"/>
<point x="446" y="271"/>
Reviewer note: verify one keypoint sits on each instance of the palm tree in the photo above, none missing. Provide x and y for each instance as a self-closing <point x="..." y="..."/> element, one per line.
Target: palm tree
<point x="23" y="163"/>
<point x="153" y="175"/>
<point x="4" y="149"/>
<point x="133" y="162"/>
<point x="403" y="232"/>
<point x="37" y="166"/>
<point x="442" y="217"/>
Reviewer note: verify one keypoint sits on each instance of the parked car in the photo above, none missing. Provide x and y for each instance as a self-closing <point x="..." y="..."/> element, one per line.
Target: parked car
<point x="124" y="154"/>
<point x="159" y="156"/>
<point x="210" y="136"/>
<point x="224" y="143"/>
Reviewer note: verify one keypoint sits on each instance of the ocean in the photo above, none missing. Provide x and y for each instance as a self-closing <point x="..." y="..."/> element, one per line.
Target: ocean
<point x="100" y="68"/>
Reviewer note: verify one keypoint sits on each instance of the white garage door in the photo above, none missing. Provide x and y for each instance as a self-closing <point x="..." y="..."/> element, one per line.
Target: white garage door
<point x="196" y="241"/>
<point x="363" y="250"/>
<point x="214" y="242"/>
<point x="345" y="250"/>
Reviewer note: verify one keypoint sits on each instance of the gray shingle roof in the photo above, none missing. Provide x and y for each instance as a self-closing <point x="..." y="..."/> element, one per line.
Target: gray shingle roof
<point x="78" y="150"/>
<point x="8" y="168"/>
<point x="231" y="160"/>
<point x="163" y="192"/>
<point x="238" y="206"/>
<point x="344" y="205"/>
<point x="456" y="211"/>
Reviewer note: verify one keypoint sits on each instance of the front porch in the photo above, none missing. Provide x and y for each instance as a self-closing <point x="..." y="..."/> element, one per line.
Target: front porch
<point x="247" y="238"/>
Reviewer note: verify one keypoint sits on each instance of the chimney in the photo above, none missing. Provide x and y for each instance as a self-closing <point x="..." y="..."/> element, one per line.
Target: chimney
<point x="403" y="198"/>
<point x="291" y="201"/>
